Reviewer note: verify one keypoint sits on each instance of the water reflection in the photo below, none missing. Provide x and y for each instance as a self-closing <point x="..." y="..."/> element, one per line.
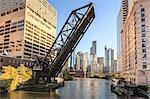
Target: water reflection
<point x="29" y="95"/>
<point x="87" y="89"/>
<point x="81" y="88"/>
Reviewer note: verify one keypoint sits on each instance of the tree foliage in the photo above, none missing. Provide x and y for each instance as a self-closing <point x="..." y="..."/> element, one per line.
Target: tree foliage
<point x="17" y="76"/>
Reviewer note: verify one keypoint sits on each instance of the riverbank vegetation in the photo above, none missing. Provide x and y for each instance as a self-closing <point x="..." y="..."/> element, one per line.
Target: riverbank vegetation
<point x="12" y="77"/>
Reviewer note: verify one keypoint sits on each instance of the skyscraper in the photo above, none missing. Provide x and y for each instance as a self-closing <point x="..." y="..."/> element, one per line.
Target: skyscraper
<point x="93" y="56"/>
<point x="125" y="9"/>
<point x="135" y="44"/>
<point x="93" y="48"/>
<point x="82" y="62"/>
<point x="123" y="13"/>
<point x="27" y="27"/>
<point x="100" y="62"/>
<point x="93" y="59"/>
<point x="77" y="66"/>
<point x="114" y="68"/>
<point x="109" y="59"/>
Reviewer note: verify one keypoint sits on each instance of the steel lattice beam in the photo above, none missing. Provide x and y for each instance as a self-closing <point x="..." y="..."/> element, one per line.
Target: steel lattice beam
<point x="70" y="35"/>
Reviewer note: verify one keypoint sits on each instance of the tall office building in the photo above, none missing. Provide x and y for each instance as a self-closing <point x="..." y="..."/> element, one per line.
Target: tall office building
<point x="77" y="65"/>
<point x="27" y="27"/>
<point x="93" y="48"/>
<point x="93" y="59"/>
<point x="82" y="62"/>
<point x="109" y="59"/>
<point x="135" y="44"/>
<point x="93" y="56"/>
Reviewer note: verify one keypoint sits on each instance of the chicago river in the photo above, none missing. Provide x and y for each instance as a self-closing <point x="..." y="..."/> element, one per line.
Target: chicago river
<point x="80" y="88"/>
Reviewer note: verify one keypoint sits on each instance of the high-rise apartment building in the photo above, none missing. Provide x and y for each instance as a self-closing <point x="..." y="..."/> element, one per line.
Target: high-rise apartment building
<point x="135" y="44"/>
<point x="109" y="59"/>
<point x="120" y="24"/>
<point x="27" y="27"/>
<point x="125" y="9"/>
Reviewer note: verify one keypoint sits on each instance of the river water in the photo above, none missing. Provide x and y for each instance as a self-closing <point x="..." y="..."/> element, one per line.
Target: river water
<point x="80" y="88"/>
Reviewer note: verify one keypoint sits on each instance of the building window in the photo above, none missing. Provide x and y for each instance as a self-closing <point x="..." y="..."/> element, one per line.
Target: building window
<point x="6" y="44"/>
<point x="144" y="55"/>
<point x="27" y="50"/>
<point x="8" y="21"/>
<point x="20" y="25"/>
<point x="35" y="48"/>
<point x="142" y="9"/>
<point x="7" y="32"/>
<point x="143" y="34"/>
<point x="2" y="30"/>
<point x="18" y="56"/>
<point x="143" y="50"/>
<point x="35" y="52"/>
<point x="22" y="7"/>
<point x="6" y="47"/>
<point x="21" y="29"/>
<point x="143" y="25"/>
<point x="143" y="45"/>
<point x="21" y="21"/>
<point x="28" y="46"/>
<point x="143" y="40"/>
<point x="143" y="30"/>
<point x="6" y="36"/>
<point x="142" y="14"/>
<point x="13" y="31"/>
<point x="2" y="14"/>
<point x="7" y="25"/>
<point x="143" y="19"/>
<point x="144" y="66"/>
<point x="13" y="27"/>
<point x="6" y="39"/>
<point x="1" y="27"/>
<point x="1" y="34"/>
<point x="14" y="23"/>
<point x="8" y="12"/>
<point x="36" y="45"/>
<point x="1" y="60"/>
<point x="7" y="29"/>
<point x="27" y="42"/>
<point x="14" y="10"/>
<point x="27" y="54"/>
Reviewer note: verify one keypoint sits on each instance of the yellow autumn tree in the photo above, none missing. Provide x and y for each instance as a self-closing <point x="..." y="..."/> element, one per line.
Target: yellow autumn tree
<point x="17" y="76"/>
<point x="24" y="74"/>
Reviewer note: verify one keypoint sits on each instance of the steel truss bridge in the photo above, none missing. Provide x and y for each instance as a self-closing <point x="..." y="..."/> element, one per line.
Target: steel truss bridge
<point x="70" y="35"/>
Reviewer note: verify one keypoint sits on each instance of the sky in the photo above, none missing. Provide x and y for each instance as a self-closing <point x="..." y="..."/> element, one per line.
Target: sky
<point x="103" y="29"/>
